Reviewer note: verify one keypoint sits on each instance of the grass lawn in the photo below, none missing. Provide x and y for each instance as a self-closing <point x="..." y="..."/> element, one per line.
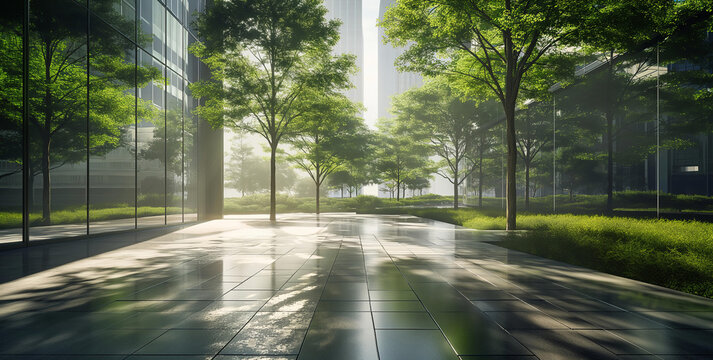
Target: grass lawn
<point x="671" y="253"/>
<point x="79" y="215"/>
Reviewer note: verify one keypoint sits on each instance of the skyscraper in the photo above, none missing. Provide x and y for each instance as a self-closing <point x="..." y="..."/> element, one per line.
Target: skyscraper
<point x="351" y="40"/>
<point x="391" y="81"/>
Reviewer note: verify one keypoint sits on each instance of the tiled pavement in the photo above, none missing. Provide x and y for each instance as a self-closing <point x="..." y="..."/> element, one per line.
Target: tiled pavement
<point x="341" y="287"/>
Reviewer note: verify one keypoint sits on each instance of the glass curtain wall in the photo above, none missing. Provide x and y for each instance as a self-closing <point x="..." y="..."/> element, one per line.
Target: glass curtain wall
<point x="631" y="136"/>
<point x="107" y="139"/>
<point x="11" y="121"/>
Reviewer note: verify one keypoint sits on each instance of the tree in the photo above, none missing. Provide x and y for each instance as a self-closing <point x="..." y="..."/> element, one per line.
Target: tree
<point x="501" y="46"/>
<point x="328" y="133"/>
<point x="264" y="55"/>
<point x="59" y="84"/>
<point x="435" y="113"/>
<point x="245" y="170"/>
<point x="534" y="132"/>
<point x="397" y="154"/>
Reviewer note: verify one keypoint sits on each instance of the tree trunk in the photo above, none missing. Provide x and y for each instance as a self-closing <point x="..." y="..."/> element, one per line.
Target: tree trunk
<point x="480" y="175"/>
<point x="316" y="197"/>
<point x="455" y="195"/>
<point x="398" y="190"/>
<point x="610" y="162"/>
<point x="510" y="190"/>
<point x="46" y="185"/>
<point x="273" y="199"/>
<point x="527" y="185"/>
<point x="610" y="135"/>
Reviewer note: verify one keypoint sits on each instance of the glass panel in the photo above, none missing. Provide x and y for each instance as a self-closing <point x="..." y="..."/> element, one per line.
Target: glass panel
<point x="533" y="124"/>
<point x="686" y="137"/>
<point x="581" y="154"/>
<point x="174" y="148"/>
<point x="151" y="147"/>
<point x="174" y="48"/>
<point x="58" y="123"/>
<point x="193" y="62"/>
<point x="112" y="130"/>
<point x="194" y="7"/>
<point x="11" y="122"/>
<point x="190" y="170"/>
<point x="178" y="8"/>
<point x="121" y="14"/>
<point x="152" y="16"/>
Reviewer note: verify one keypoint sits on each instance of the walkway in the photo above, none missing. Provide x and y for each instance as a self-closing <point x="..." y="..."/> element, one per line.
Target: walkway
<point x="341" y="287"/>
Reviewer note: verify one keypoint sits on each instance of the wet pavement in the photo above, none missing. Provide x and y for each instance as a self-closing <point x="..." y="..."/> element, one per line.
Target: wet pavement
<point x="341" y="286"/>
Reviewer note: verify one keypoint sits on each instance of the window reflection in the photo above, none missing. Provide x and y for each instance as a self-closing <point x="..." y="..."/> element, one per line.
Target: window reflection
<point x="58" y="123"/>
<point x="151" y="147"/>
<point x="11" y="122"/>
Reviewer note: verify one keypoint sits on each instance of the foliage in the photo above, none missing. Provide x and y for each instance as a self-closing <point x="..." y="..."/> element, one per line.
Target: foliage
<point x="327" y="135"/>
<point x="266" y="57"/>
<point x="498" y="47"/>
<point x="259" y="203"/>
<point x="400" y="157"/>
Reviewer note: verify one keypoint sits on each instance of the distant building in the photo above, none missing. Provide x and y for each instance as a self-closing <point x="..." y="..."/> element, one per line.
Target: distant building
<point x="351" y="40"/>
<point x="391" y="81"/>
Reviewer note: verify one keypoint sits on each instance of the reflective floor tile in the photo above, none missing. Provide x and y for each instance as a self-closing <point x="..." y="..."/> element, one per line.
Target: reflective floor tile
<point x="265" y="342"/>
<point x="670" y="341"/>
<point x="619" y="320"/>
<point x="216" y="319"/>
<point x="234" y="305"/>
<point x="107" y="342"/>
<point x="153" y="320"/>
<point x="612" y="342"/>
<point x="336" y="305"/>
<point x="403" y="320"/>
<point x="413" y="345"/>
<point x="503" y="305"/>
<point x="392" y="295"/>
<point x="345" y="291"/>
<point x="189" y="342"/>
<point x="471" y="333"/>
<point x="391" y="305"/>
<point x="248" y="295"/>
<point x="280" y="320"/>
<point x="561" y="344"/>
<point x="342" y="320"/>
<point x="343" y="344"/>
<point x="524" y="320"/>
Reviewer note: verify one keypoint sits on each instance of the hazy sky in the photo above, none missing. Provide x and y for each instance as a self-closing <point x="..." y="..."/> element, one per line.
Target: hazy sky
<point x="370" y="12"/>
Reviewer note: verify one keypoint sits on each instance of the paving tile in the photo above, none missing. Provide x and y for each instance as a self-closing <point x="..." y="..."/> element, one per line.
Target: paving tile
<point x="280" y="320"/>
<point x="216" y="319"/>
<point x="397" y="306"/>
<point x="343" y="344"/>
<point x="413" y="345"/>
<point x="336" y="287"/>
<point x="188" y="342"/>
<point x="670" y="341"/>
<point x="392" y="295"/>
<point x="403" y="320"/>
<point x="561" y="344"/>
<point x="525" y="320"/>
<point x="270" y="341"/>
<point x="472" y="333"/>
<point x="335" y="305"/>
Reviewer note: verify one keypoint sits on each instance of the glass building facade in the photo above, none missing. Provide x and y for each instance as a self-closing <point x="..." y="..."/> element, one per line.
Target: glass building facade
<point x="97" y="131"/>
<point x="639" y="125"/>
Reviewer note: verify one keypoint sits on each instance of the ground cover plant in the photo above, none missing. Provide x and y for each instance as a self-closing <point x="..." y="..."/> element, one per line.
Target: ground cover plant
<point x="259" y="203"/>
<point x="671" y="253"/>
